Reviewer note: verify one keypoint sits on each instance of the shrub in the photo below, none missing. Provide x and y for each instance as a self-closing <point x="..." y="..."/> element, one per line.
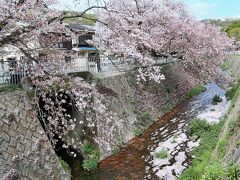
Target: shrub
<point x="161" y="154"/>
<point x="145" y="117"/>
<point x="91" y="155"/>
<point x="195" y="91"/>
<point x="90" y="164"/>
<point x="88" y="148"/>
<point x="197" y="127"/>
<point x="137" y="132"/>
<point x="115" y="150"/>
<point x="216" y="99"/>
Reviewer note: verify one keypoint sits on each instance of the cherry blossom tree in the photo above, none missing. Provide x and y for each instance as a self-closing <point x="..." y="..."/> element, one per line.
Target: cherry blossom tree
<point x="23" y="25"/>
<point x="135" y="30"/>
<point x="140" y="29"/>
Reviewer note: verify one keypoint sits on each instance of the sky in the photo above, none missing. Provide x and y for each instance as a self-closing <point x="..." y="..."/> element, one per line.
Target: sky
<point x="201" y="9"/>
<point x="214" y="9"/>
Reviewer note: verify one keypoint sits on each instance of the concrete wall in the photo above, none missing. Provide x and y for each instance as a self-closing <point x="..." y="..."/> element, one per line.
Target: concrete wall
<point x="129" y="101"/>
<point x="25" y="152"/>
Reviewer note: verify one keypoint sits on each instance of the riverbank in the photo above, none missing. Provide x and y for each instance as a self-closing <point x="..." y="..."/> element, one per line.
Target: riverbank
<point x="218" y="156"/>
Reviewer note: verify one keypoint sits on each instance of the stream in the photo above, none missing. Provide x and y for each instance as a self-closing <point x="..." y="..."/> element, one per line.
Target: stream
<point x="137" y="160"/>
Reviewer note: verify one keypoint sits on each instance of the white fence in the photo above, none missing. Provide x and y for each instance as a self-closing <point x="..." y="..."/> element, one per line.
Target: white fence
<point x="11" y="72"/>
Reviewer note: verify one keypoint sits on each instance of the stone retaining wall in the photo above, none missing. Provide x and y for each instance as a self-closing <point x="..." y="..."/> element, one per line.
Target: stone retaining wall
<point x="25" y="152"/>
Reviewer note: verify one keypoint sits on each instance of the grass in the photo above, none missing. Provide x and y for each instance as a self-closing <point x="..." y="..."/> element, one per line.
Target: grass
<point x="208" y="133"/>
<point x="11" y="88"/>
<point x="161" y="154"/>
<point x="174" y="139"/>
<point x="208" y="163"/>
<point x="226" y="65"/>
<point x="232" y="91"/>
<point x="195" y="91"/>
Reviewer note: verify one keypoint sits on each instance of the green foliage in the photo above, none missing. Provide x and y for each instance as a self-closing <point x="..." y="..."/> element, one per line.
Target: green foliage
<point x="231" y="127"/>
<point x="212" y="110"/>
<point x="133" y="101"/>
<point x="145" y="118"/>
<point x="221" y="147"/>
<point x="11" y="88"/>
<point x="197" y="127"/>
<point x="238" y="143"/>
<point x="232" y="91"/>
<point x="216" y="170"/>
<point x="174" y="139"/>
<point x="167" y="108"/>
<point x="213" y="171"/>
<point x="232" y="171"/>
<point x="216" y="99"/>
<point x="115" y="150"/>
<point x="137" y="132"/>
<point x="90" y="164"/>
<point x="233" y="30"/>
<point x="195" y="91"/>
<point x="119" y="144"/>
<point x="88" y="148"/>
<point x="208" y="133"/>
<point x="87" y="19"/>
<point x="64" y="165"/>
<point x="91" y="155"/>
<point x="226" y="65"/>
<point x="161" y="154"/>
<point x="97" y="79"/>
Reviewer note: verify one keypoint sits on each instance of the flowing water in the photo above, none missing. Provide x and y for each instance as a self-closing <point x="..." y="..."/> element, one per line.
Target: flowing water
<point x="137" y="161"/>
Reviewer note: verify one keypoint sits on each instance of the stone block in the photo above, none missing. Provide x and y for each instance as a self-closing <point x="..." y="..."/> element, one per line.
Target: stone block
<point x="20" y="147"/>
<point x="12" y="151"/>
<point x="13" y="142"/>
<point x="5" y="137"/>
<point x="22" y="130"/>
<point x="2" y="113"/>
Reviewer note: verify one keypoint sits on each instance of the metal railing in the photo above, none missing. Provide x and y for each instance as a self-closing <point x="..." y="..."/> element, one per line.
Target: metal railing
<point x="11" y="72"/>
<point x="103" y="64"/>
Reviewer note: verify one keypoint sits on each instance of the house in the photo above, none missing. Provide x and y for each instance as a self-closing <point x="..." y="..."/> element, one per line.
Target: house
<point x="72" y="48"/>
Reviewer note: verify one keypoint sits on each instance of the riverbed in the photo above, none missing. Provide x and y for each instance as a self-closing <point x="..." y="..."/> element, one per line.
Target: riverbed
<point x="137" y="160"/>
